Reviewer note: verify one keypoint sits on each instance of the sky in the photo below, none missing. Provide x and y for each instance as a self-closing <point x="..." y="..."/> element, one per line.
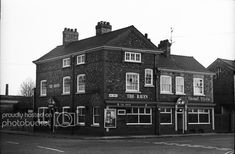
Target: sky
<point x="204" y="29"/>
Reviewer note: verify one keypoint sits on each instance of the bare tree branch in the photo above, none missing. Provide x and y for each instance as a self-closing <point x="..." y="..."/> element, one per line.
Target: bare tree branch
<point x="26" y="87"/>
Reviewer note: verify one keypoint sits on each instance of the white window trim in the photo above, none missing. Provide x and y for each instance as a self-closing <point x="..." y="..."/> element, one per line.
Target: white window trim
<point x="43" y="121"/>
<point x="138" y="87"/>
<point x="83" y="62"/>
<point x="64" y="63"/>
<point x="165" y="112"/>
<point x="65" y="107"/>
<point x="80" y="91"/>
<point x="41" y="94"/>
<point x="198" y="94"/>
<point x="176" y="92"/>
<point x="93" y="117"/>
<point x="139" y="114"/>
<point x="80" y="123"/>
<point x="198" y="116"/>
<point x="133" y="61"/>
<point x="66" y="93"/>
<point x="165" y="92"/>
<point x="151" y="84"/>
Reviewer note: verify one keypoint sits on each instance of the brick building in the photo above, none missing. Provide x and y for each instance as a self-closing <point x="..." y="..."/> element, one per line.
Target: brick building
<point x="119" y="82"/>
<point x="224" y="92"/>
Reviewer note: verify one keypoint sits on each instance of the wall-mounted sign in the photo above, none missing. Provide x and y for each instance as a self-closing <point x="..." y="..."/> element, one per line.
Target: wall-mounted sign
<point x="113" y="95"/>
<point x="199" y="99"/>
<point x="137" y="96"/>
<point x="110" y="118"/>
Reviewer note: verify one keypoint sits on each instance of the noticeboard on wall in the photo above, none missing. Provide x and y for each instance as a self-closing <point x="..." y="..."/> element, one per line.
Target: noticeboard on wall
<point x="110" y="118"/>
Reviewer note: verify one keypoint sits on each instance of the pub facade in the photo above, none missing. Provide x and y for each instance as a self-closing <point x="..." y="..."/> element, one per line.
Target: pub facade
<point x="120" y="83"/>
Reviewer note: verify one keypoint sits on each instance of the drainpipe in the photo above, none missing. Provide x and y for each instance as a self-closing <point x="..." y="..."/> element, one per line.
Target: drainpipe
<point x="157" y="117"/>
<point x="73" y="86"/>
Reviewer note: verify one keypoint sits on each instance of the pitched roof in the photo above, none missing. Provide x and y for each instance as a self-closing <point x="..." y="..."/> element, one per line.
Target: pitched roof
<point x="229" y="63"/>
<point x="117" y="38"/>
<point x="181" y="63"/>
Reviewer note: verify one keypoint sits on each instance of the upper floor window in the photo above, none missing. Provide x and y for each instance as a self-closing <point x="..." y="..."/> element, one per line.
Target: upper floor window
<point x="81" y="59"/>
<point x="132" y="82"/>
<point x="165" y="84"/>
<point x="179" y="83"/>
<point x="66" y="62"/>
<point x="43" y="88"/>
<point x="132" y="57"/>
<point x="198" y="86"/>
<point x="148" y="77"/>
<point x="66" y="85"/>
<point x="81" y="83"/>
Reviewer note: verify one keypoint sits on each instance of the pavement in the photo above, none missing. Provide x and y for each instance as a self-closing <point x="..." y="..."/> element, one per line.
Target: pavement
<point x="83" y="137"/>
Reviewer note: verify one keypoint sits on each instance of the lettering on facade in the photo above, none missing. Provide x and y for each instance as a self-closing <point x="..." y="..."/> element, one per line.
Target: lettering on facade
<point x="138" y="96"/>
<point x="199" y="99"/>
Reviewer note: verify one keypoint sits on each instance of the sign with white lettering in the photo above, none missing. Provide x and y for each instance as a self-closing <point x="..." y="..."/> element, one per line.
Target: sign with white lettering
<point x="137" y="96"/>
<point x="113" y="95"/>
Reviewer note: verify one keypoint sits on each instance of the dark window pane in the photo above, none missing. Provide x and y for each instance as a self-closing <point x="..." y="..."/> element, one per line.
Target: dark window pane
<point x="145" y="119"/>
<point x="193" y="118"/>
<point x="132" y="119"/>
<point x="204" y="118"/>
<point x="165" y="118"/>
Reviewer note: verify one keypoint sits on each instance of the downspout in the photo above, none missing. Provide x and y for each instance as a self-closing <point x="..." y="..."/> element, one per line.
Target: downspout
<point x="72" y="89"/>
<point x="157" y="117"/>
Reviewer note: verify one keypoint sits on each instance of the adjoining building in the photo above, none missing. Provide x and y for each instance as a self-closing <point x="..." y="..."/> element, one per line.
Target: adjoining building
<point x="119" y="82"/>
<point x="224" y="93"/>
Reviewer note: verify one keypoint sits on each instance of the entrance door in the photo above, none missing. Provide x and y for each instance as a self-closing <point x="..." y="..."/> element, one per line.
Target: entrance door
<point x="180" y="121"/>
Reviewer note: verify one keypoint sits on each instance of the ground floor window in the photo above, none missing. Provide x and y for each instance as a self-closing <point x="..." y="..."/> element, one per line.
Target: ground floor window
<point x="165" y="116"/>
<point x="96" y="116"/>
<point x="81" y="115"/>
<point x="43" y="116"/>
<point x="139" y="116"/>
<point x="199" y="116"/>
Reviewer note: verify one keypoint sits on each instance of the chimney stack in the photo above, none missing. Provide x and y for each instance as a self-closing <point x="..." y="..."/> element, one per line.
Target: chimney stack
<point x="6" y="90"/>
<point x="69" y="35"/>
<point x="103" y="27"/>
<point x="165" y="45"/>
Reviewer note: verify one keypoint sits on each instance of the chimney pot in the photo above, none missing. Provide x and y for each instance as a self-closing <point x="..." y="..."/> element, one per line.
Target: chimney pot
<point x="69" y="35"/>
<point x="7" y="90"/>
<point x="103" y="27"/>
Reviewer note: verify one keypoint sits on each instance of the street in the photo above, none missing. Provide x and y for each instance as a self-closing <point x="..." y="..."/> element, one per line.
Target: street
<point x="202" y="144"/>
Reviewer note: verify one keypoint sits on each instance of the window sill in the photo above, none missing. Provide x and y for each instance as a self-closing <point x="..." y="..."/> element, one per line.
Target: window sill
<point x="180" y="94"/>
<point x="66" y="66"/>
<point x="168" y="93"/>
<point x="199" y="123"/>
<point x="148" y="85"/>
<point x="80" y="92"/>
<point x="136" y="92"/>
<point x="165" y="123"/>
<point x="198" y="95"/>
<point x="81" y="124"/>
<point x="65" y="93"/>
<point x="95" y="125"/>
<point x="42" y="95"/>
<point x="128" y="61"/>
<point x="80" y="64"/>
<point x="132" y="124"/>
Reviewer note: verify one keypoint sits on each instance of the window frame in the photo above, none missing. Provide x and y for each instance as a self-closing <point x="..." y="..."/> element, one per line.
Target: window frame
<point x="132" y="60"/>
<point x="64" y="78"/>
<point x="93" y="116"/>
<point x="166" y="112"/>
<point x="65" y="63"/>
<point x="161" y="84"/>
<point x="194" y="87"/>
<point x="198" y="113"/>
<point x="78" y="122"/>
<point x="78" y="86"/>
<point x="176" y="84"/>
<point x="145" y="76"/>
<point x="82" y="56"/>
<point x="41" y="90"/>
<point x="44" y="120"/>
<point x="138" y="113"/>
<point x="138" y="84"/>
